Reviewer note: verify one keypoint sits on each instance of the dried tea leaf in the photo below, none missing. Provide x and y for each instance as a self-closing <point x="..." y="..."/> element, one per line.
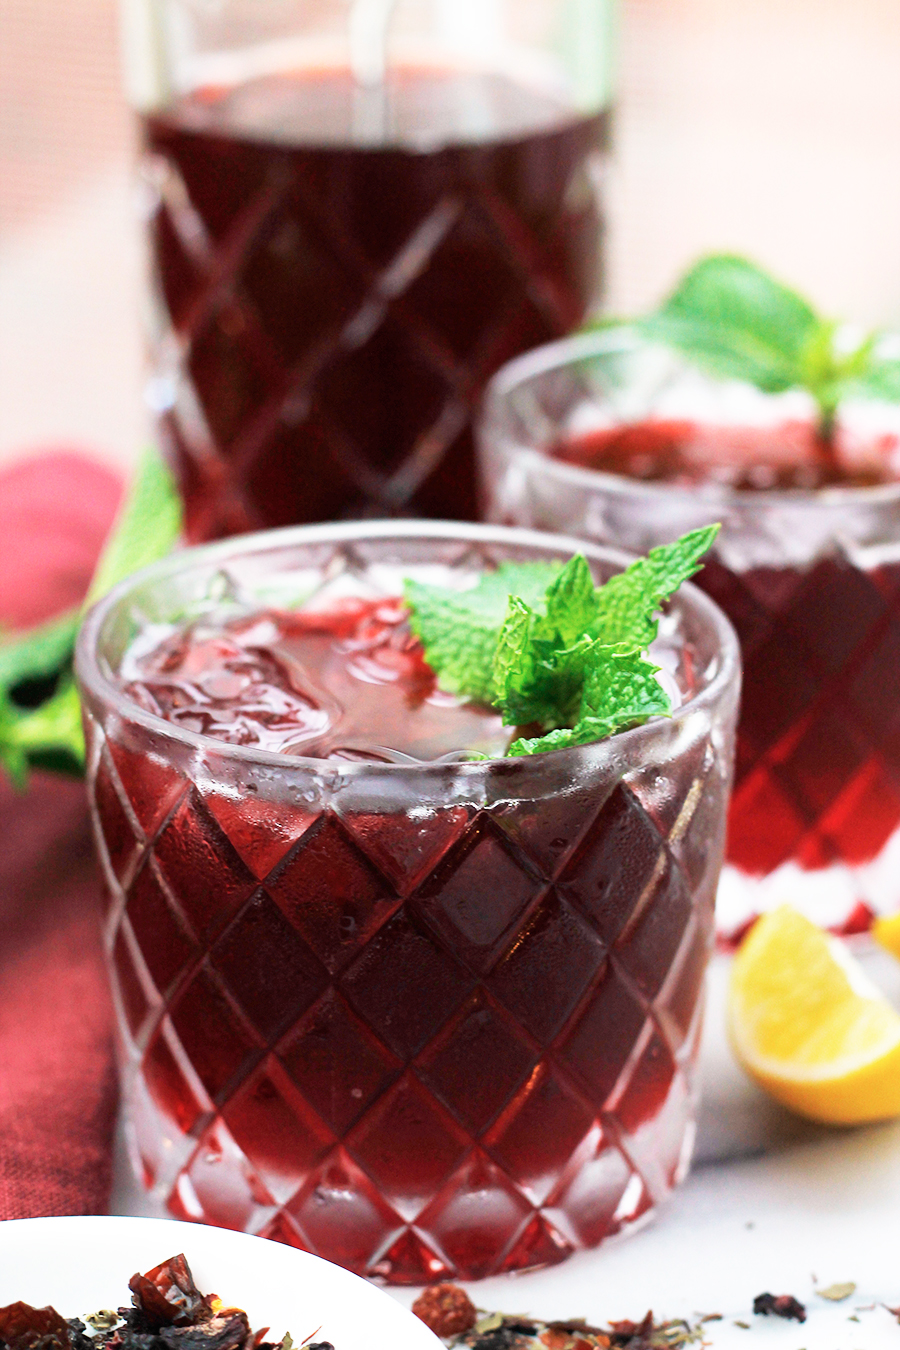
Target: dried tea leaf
<point x="489" y="1323"/>
<point x="836" y="1293"/>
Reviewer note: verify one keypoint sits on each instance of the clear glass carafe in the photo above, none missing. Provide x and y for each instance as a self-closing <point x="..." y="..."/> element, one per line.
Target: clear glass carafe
<point x="358" y="210"/>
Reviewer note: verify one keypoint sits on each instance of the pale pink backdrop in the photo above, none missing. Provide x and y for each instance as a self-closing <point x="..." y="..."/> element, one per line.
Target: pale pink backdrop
<point x="769" y="126"/>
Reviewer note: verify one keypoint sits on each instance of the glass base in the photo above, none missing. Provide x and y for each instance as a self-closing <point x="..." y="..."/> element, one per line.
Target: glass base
<point x="614" y="1183"/>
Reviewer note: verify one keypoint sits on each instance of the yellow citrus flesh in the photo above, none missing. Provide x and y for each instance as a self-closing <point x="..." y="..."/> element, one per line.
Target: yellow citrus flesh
<point x="808" y="1025"/>
<point x="887" y="933"/>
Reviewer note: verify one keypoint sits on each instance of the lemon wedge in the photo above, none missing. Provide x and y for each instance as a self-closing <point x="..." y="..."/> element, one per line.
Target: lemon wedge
<point x="887" y="933"/>
<point x="809" y="1026"/>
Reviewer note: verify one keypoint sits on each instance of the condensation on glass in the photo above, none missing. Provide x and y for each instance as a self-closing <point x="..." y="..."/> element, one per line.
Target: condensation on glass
<point x="357" y="212"/>
<point x="423" y="1019"/>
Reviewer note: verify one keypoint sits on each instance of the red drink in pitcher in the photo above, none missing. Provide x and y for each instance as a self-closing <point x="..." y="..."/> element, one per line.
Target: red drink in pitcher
<point x="339" y="271"/>
<point x="421" y="1014"/>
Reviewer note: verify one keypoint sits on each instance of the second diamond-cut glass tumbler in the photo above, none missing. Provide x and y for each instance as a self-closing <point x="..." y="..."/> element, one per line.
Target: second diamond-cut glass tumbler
<point x="810" y="577"/>
<point x="423" y="1019"/>
<point x="358" y="210"/>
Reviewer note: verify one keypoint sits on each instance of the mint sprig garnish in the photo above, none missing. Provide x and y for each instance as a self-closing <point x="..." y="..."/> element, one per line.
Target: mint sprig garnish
<point x="40" y="716"/>
<point x="549" y="649"/>
<point x="459" y="630"/>
<point x="734" y="320"/>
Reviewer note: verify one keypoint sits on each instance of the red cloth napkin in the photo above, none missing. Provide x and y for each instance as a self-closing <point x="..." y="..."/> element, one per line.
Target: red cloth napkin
<point x="57" y="1081"/>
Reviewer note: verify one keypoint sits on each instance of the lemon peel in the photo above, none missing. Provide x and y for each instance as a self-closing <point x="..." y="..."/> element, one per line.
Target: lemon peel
<point x="809" y="1026"/>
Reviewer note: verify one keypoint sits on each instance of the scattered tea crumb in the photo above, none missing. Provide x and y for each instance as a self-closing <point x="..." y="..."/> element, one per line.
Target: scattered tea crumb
<point x="744" y="1326"/>
<point x="446" y="1309"/>
<point x="103" y="1320"/>
<point x="837" y="1292"/>
<point x="779" y="1305"/>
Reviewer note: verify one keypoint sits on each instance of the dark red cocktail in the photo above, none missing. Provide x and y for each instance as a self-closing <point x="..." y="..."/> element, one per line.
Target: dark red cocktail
<point x="807" y="567"/>
<point x="420" y="1014"/>
<point x="336" y="299"/>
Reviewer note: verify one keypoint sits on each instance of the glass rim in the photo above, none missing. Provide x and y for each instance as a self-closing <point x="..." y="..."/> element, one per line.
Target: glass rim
<point x="621" y="337"/>
<point x="91" y="677"/>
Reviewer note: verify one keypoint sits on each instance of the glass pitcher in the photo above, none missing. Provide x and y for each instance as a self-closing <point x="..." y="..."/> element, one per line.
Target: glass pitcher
<point x="358" y="210"/>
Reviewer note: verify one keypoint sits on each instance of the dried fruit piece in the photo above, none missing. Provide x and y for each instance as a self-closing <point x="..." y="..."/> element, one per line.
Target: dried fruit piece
<point x="779" y="1305"/>
<point x="446" y="1309"/>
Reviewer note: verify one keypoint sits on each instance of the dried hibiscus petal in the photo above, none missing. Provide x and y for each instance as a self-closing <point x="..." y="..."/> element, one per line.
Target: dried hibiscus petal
<point x="167" y="1295"/>
<point x="225" y="1331"/>
<point x="23" y="1327"/>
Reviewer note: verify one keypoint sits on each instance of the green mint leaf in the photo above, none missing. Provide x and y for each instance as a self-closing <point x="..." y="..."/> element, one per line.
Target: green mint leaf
<point x="620" y="690"/>
<point x="459" y="630"/>
<point x="561" y="738"/>
<point x="547" y="647"/>
<point x="571" y="602"/>
<point x="38" y="653"/>
<point x="880" y="380"/>
<point x="627" y="603"/>
<point x="50" y="735"/>
<point x="733" y="320"/>
<point x="736" y="321"/>
<point x="147" y="527"/>
<point x="12" y="757"/>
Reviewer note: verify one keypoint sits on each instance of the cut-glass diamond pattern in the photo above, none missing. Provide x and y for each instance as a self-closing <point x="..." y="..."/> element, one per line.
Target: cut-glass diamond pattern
<point x="539" y="1132"/>
<point x="289" y="298"/>
<point x="408" y="1144"/>
<point x="555" y="952"/>
<point x="217" y="1039"/>
<point x="818" y="759"/>
<point x="137" y="1002"/>
<point x="407" y="848"/>
<point x="336" y="1062"/>
<point x="281" y="1137"/>
<point x="173" y="1085"/>
<point x="262" y="832"/>
<point x="405" y="986"/>
<point x="121" y="837"/>
<point x="329" y="891"/>
<point x="341" y="1211"/>
<point x="212" y="882"/>
<point x="477" y="1214"/>
<point x="440" y="1087"/>
<point x="482" y="1033"/>
<point x="285" y="976"/>
<point x="614" y="864"/>
<point x="452" y="899"/>
<point x="220" y="1186"/>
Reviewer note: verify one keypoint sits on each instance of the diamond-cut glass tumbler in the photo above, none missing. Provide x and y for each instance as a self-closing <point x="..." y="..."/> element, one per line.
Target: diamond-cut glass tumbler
<point x="810" y="579"/>
<point x="423" y="1019"/>
<point x="357" y="211"/>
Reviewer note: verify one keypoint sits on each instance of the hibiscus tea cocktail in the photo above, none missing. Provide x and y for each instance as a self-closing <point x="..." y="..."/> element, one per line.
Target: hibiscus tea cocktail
<point x="633" y="446"/>
<point x="384" y="992"/>
<point x="351" y="231"/>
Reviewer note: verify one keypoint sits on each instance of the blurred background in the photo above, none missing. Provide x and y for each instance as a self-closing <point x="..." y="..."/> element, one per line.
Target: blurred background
<point x="764" y="126"/>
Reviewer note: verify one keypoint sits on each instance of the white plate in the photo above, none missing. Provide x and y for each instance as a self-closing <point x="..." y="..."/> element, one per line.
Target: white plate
<point x="82" y="1264"/>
